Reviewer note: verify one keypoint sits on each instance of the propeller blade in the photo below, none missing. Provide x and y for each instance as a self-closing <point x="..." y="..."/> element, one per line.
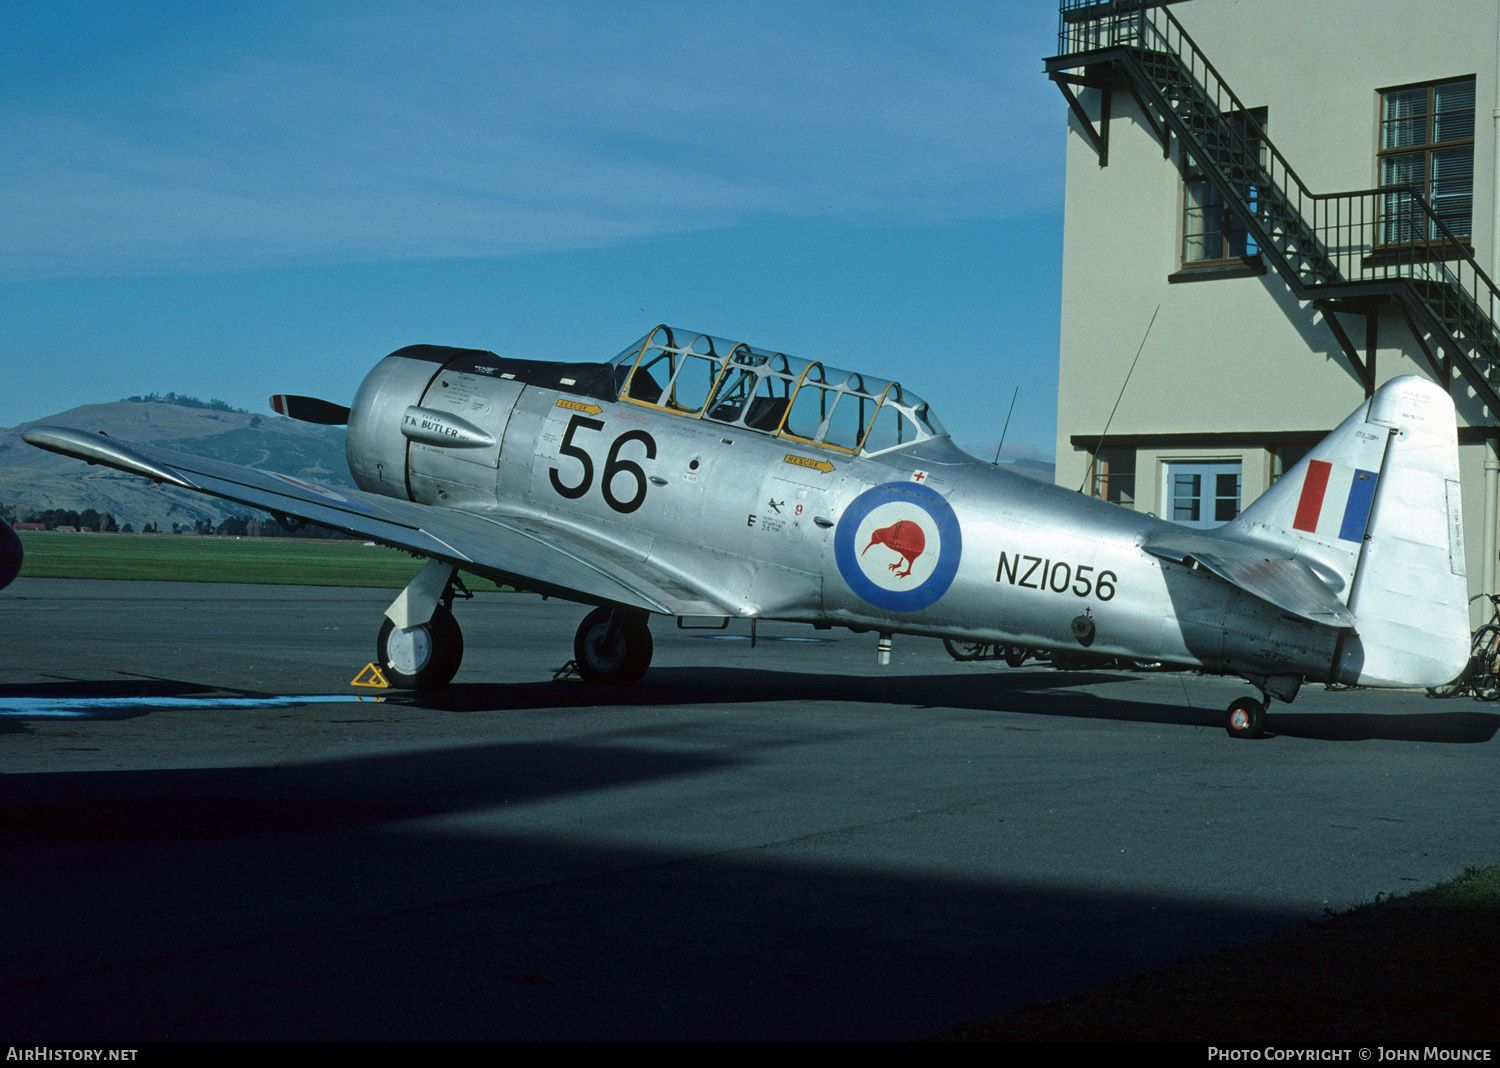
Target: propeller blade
<point x="309" y="409"/>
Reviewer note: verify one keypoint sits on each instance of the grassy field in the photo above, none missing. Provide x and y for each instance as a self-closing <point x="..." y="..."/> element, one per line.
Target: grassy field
<point x="1417" y="969"/>
<point x="187" y="558"/>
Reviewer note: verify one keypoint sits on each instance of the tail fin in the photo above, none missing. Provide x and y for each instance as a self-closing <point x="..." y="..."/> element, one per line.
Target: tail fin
<point x="1374" y="510"/>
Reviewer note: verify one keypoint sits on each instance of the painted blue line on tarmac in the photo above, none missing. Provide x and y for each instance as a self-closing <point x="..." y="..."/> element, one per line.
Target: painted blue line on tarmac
<point x="79" y="707"/>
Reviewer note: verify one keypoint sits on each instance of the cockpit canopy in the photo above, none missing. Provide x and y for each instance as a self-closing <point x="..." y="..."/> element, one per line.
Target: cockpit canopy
<point x="705" y="377"/>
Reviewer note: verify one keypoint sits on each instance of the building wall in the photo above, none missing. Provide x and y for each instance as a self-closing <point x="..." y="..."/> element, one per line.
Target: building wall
<point x="1241" y="355"/>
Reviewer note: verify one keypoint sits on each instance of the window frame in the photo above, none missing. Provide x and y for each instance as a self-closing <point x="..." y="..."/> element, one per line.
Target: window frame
<point x="1252" y="122"/>
<point x="1429" y="146"/>
<point x="1208" y="496"/>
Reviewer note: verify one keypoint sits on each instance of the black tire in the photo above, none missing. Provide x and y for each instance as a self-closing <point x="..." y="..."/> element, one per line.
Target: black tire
<point x="1015" y="655"/>
<point x="966" y="650"/>
<point x="1246" y="718"/>
<point x="1483" y="674"/>
<point x="613" y="647"/>
<point x="424" y="657"/>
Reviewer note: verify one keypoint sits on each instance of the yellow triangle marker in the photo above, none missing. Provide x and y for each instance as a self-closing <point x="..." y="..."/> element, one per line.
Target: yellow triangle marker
<point x="371" y="677"/>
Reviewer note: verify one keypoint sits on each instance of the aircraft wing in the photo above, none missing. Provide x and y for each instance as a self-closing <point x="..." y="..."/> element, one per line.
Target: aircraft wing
<point x="526" y="551"/>
<point x="1286" y="582"/>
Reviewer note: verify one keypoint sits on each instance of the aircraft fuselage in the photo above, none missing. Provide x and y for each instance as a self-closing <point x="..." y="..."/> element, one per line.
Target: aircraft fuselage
<point x="918" y="539"/>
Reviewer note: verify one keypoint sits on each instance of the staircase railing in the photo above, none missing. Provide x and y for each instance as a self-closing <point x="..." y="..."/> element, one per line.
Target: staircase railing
<point x="1325" y="245"/>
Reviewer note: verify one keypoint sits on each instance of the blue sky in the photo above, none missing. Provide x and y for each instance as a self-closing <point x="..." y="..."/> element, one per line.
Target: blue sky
<point x="243" y="199"/>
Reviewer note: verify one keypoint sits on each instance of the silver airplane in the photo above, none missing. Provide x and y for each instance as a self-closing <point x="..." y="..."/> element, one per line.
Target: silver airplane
<point x="696" y="477"/>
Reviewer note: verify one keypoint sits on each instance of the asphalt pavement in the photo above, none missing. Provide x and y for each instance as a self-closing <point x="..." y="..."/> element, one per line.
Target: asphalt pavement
<point x="207" y="833"/>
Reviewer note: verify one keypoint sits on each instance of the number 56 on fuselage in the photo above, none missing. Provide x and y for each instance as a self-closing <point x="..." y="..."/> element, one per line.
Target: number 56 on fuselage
<point x="696" y="477"/>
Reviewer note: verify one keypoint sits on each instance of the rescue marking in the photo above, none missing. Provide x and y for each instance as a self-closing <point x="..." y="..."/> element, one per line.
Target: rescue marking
<point x="579" y="406"/>
<point x="803" y="461"/>
<point x="1056" y="576"/>
<point x="898" y="546"/>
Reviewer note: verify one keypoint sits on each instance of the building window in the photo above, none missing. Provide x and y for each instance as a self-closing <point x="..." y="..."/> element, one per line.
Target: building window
<point x="1212" y="233"/>
<point x="1427" y="143"/>
<point x="1114" y="476"/>
<point x="1202" y="494"/>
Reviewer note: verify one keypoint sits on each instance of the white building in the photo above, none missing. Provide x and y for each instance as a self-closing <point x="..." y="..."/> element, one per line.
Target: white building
<point x="1239" y="169"/>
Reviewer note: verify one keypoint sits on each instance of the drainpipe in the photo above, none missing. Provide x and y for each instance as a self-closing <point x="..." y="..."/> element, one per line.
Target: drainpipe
<point x="1495" y="172"/>
<point x="1491" y="484"/>
<point x="1491" y="462"/>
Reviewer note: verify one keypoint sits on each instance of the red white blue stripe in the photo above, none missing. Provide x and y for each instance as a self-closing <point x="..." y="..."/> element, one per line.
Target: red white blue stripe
<point x="1335" y="501"/>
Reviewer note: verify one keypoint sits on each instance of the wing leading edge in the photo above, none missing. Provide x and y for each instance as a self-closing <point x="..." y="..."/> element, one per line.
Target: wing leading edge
<point x="526" y="552"/>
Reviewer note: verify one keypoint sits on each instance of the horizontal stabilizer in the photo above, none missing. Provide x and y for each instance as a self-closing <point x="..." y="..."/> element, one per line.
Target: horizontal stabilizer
<point x="1286" y="582"/>
<point x="309" y="409"/>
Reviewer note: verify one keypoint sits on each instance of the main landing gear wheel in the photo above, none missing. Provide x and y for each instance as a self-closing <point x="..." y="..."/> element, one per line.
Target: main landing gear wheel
<point x="1246" y="719"/>
<point x="965" y="650"/>
<point x="424" y="657"/>
<point x="613" y="647"/>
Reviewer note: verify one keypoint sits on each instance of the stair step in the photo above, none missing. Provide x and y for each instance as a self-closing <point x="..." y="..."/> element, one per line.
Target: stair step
<point x="1463" y="325"/>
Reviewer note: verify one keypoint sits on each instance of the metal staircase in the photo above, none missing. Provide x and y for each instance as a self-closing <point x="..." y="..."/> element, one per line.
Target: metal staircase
<point x="1352" y="252"/>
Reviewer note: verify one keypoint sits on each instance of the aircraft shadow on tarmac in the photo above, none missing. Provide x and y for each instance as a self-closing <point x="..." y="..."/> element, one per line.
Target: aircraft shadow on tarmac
<point x="313" y="901"/>
<point x="1032" y="693"/>
<point x="1043" y="694"/>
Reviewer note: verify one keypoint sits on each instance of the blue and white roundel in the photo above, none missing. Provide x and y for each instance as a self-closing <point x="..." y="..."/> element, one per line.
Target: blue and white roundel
<point x="898" y="546"/>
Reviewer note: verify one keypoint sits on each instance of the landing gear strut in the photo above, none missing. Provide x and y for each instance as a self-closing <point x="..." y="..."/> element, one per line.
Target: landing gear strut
<point x="419" y="646"/>
<point x="613" y="646"/>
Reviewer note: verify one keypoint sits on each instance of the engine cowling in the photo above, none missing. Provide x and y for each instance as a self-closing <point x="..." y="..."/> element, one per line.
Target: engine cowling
<point x="427" y="424"/>
<point x="375" y="447"/>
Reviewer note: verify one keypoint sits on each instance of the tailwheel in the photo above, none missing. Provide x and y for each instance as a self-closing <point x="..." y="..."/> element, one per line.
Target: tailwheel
<point x="613" y="646"/>
<point x="1246" y="719"/>
<point x="424" y="657"/>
